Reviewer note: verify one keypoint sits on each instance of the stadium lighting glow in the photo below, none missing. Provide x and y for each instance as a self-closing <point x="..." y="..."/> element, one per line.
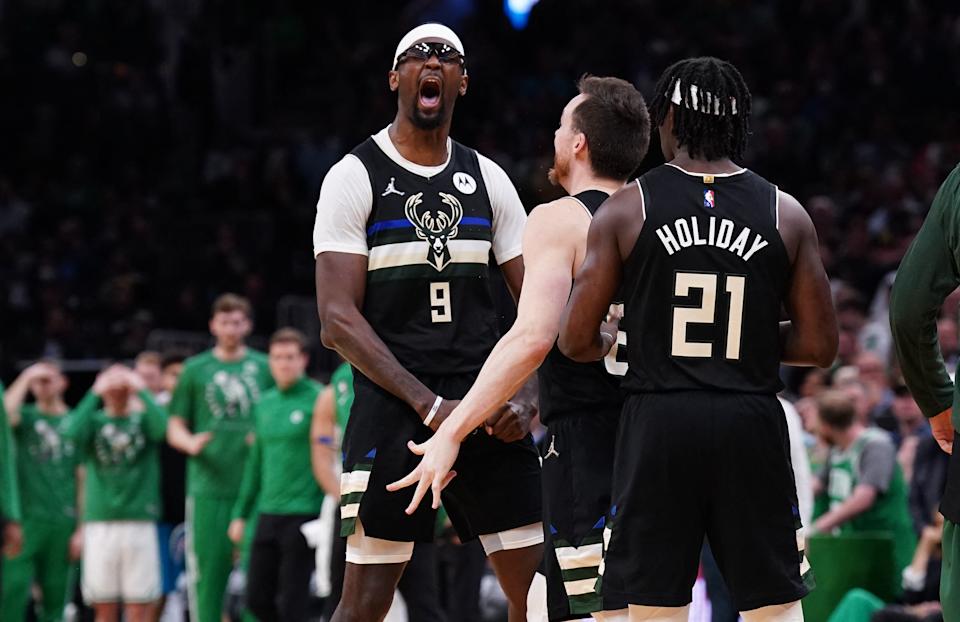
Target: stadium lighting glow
<point x="518" y="12"/>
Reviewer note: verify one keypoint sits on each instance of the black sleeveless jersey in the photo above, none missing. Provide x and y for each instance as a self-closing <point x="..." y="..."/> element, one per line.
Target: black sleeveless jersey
<point x="429" y="239"/>
<point x="571" y="388"/>
<point x="705" y="283"/>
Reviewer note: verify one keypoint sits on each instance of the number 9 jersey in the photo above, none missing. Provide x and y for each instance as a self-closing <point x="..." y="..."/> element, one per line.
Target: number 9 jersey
<point x="428" y="233"/>
<point x="705" y="284"/>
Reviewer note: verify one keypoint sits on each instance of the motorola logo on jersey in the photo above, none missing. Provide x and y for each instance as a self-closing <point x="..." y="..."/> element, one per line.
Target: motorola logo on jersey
<point x="465" y="183"/>
<point x="436" y="224"/>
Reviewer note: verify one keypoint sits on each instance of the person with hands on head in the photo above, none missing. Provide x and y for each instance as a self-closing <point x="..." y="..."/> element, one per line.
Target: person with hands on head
<point x="602" y="138"/>
<point x="50" y="479"/>
<point x="404" y="229"/>
<point x="278" y="479"/>
<point x="927" y="275"/>
<point x="707" y="254"/>
<point x="210" y="420"/>
<point x="118" y="428"/>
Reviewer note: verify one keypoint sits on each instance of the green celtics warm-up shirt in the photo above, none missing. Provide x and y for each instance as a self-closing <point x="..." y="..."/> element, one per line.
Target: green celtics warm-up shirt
<point x="47" y="461"/>
<point x="218" y="396"/>
<point x="278" y="469"/>
<point x="122" y="458"/>
<point x="928" y="273"/>
<point x="9" y="490"/>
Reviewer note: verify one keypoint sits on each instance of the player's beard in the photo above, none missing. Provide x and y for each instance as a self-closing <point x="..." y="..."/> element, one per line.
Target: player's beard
<point x="431" y="122"/>
<point x="559" y="171"/>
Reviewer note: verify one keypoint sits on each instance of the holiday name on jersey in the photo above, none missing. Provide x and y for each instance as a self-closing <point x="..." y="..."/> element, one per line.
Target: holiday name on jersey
<point x="718" y="232"/>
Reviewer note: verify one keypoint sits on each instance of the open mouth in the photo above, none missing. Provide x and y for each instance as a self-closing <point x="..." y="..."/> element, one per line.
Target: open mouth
<point x="429" y="96"/>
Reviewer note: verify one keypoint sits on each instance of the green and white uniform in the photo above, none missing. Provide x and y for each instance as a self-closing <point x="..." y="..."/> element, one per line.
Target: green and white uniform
<point x="929" y="272"/>
<point x="46" y="464"/>
<point x="278" y="470"/>
<point x="888" y="514"/>
<point x="218" y="397"/>
<point x="121" y="560"/>
<point x="278" y="479"/>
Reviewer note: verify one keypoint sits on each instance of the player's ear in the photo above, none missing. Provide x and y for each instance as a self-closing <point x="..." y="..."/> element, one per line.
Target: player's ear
<point x="393" y="79"/>
<point x="464" y="80"/>
<point x="579" y="142"/>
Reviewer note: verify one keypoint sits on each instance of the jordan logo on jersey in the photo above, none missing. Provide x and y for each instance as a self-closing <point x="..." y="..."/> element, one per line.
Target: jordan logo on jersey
<point x="391" y="189"/>
<point x="435" y="226"/>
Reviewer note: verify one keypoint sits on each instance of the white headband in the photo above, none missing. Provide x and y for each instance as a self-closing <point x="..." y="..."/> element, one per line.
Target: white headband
<point x="423" y="32"/>
<point x="712" y="102"/>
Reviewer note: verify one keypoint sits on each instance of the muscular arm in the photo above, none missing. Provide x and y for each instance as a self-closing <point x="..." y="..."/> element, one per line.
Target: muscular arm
<point x="613" y="233"/>
<point x="810" y="337"/>
<point x="323" y="449"/>
<point x="341" y="282"/>
<point x="550" y="248"/>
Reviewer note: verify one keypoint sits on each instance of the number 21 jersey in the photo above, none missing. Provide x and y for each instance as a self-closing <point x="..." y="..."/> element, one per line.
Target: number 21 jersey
<point x="705" y="284"/>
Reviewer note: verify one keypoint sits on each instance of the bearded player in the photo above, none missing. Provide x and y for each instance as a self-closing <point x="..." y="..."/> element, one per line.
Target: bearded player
<point x="707" y="254"/>
<point x="603" y="135"/>
<point x="404" y="229"/>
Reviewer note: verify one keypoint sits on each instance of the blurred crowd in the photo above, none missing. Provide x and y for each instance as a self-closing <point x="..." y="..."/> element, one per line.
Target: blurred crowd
<point x="157" y="153"/>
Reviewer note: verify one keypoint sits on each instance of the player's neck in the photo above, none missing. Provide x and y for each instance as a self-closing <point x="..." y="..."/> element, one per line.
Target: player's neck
<point x="227" y="355"/>
<point x="582" y="180"/>
<point x="423" y="147"/>
<point x="851" y="435"/>
<point x="698" y="165"/>
<point x="54" y="406"/>
<point x="284" y="386"/>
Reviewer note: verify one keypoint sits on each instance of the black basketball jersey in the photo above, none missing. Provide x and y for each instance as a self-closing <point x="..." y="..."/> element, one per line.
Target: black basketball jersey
<point x="429" y="239"/>
<point x="705" y="283"/>
<point x="571" y="388"/>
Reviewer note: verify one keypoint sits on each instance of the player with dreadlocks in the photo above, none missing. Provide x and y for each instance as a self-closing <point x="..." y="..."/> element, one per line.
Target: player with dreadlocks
<point x="707" y="254"/>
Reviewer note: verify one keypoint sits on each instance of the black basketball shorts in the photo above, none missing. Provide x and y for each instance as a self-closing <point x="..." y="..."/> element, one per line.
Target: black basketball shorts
<point x="497" y="487"/>
<point x="695" y="464"/>
<point x="577" y="480"/>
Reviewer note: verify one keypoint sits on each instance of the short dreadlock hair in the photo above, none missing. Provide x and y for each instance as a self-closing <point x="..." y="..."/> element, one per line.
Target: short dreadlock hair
<point x="712" y="120"/>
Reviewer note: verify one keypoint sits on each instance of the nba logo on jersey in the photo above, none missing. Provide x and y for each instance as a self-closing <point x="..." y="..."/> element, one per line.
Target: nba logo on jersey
<point x="708" y="199"/>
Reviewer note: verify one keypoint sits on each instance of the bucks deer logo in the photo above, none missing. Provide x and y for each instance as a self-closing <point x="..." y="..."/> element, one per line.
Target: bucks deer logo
<point x="436" y="226"/>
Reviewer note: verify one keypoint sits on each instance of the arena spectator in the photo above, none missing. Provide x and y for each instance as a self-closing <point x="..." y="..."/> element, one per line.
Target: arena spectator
<point x="861" y="479"/>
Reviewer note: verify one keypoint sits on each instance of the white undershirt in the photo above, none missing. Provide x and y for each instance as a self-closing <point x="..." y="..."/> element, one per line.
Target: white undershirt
<point x="346" y="200"/>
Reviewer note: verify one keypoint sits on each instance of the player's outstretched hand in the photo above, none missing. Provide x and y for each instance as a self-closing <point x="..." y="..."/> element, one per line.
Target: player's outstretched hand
<point x="511" y="422"/>
<point x="942" y="427"/>
<point x="434" y="471"/>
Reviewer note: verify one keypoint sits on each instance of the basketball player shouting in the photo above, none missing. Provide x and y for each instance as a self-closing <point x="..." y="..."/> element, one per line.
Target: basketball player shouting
<point x="707" y="254"/>
<point x="405" y="224"/>
<point x="603" y="135"/>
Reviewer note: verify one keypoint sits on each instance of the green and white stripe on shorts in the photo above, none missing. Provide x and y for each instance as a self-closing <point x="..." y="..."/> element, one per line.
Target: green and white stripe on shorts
<point x="352" y="486"/>
<point x="580" y="567"/>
